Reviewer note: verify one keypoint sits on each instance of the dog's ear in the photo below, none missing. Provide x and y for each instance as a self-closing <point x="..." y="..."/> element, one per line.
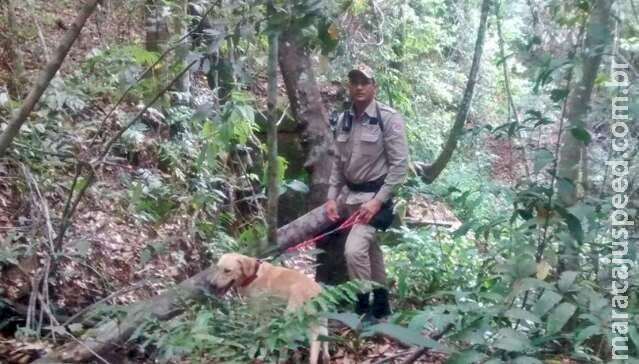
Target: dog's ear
<point x="248" y="266"/>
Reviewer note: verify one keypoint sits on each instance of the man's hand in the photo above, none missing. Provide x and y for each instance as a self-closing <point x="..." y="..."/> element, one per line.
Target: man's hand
<point x="368" y="210"/>
<point x="331" y="210"/>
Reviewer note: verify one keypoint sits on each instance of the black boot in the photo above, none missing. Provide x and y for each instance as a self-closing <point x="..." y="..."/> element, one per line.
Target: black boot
<point x="381" y="305"/>
<point x="363" y="303"/>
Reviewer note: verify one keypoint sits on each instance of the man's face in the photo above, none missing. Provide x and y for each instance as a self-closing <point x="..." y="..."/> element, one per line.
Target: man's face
<point x="362" y="89"/>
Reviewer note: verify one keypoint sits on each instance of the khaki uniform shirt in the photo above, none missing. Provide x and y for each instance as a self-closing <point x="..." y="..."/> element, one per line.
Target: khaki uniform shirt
<point x="366" y="153"/>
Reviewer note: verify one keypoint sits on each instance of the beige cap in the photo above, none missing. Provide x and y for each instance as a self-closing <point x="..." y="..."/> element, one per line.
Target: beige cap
<point x="362" y="69"/>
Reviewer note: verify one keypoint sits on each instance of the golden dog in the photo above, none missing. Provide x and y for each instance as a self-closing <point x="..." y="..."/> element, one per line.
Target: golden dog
<point x="252" y="277"/>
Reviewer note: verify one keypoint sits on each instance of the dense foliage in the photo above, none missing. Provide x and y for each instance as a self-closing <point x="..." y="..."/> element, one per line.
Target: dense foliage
<point x="525" y="277"/>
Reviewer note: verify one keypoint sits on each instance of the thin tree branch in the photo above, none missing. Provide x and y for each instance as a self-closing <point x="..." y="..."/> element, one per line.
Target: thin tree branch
<point x="416" y="355"/>
<point x="46" y="75"/>
<point x="271" y="137"/>
<point x="541" y="245"/>
<point x="429" y="174"/>
<point x="511" y="101"/>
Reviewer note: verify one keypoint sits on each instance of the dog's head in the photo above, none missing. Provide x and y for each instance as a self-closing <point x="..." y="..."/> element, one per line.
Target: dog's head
<point x="232" y="270"/>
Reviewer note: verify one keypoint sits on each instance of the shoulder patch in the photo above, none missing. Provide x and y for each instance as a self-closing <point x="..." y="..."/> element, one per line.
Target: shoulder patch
<point x="397" y="127"/>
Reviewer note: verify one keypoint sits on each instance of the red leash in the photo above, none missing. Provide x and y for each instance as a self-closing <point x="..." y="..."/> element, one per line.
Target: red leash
<point x="352" y="220"/>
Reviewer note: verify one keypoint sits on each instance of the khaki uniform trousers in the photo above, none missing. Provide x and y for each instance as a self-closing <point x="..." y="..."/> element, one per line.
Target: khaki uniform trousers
<point x="364" y="258"/>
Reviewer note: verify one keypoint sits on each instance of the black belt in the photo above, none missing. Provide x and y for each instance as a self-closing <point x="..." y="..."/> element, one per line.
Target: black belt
<point x="384" y="217"/>
<point x="369" y="186"/>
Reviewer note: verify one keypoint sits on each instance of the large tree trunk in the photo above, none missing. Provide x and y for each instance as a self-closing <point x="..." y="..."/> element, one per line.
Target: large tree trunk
<point x="156" y="26"/>
<point x="308" y="109"/>
<point x="46" y="75"/>
<point x="430" y="172"/>
<point x="573" y="150"/>
<point x="111" y="333"/>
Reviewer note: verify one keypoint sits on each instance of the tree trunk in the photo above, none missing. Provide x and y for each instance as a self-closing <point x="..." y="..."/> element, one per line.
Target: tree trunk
<point x="430" y="172"/>
<point x="597" y="37"/>
<point x="46" y="75"/>
<point x="184" y="84"/>
<point x="577" y="106"/>
<point x="155" y="23"/>
<point x="271" y="140"/>
<point x="308" y="110"/>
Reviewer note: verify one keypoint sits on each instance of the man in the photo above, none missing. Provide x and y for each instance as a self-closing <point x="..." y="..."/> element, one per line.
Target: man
<point x="371" y="162"/>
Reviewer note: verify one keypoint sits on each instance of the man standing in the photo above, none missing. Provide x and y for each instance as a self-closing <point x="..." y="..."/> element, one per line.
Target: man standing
<point x="371" y="162"/>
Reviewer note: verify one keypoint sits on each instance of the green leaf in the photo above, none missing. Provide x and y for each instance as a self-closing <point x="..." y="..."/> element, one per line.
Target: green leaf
<point x="567" y="280"/>
<point x="565" y="186"/>
<point x="587" y="333"/>
<point x="207" y="338"/>
<point x="512" y="341"/>
<point x="82" y="247"/>
<point x="582" y="211"/>
<point x="581" y="134"/>
<point x="297" y="186"/>
<point x="573" y="223"/>
<point x="559" y="317"/>
<point x="557" y="95"/>
<point x="634" y="335"/>
<point x="520" y="314"/>
<point x="347" y="318"/>
<point x="462" y="230"/>
<point x="145" y="256"/>
<point x="524" y="266"/>
<point x="524" y="284"/>
<point x="79" y="185"/>
<point x="405" y="335"/>
<point x="526" y="360"/>
<point x="547" y="301"/>
<point x="466" y="357"/>
<point x="141" y="55"/>
<point x="542" y="158"/>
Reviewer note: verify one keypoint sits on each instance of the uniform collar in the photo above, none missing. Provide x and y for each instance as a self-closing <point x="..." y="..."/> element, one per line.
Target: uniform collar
<point x="370" y="109"/>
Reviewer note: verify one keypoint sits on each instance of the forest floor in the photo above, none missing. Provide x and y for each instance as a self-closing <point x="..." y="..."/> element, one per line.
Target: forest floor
<point x="105" y="250"/>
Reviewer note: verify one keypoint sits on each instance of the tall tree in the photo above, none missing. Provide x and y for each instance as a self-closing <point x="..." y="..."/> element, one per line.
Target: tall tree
<point x="309" y="111"/>
<point x="271" y="137"/>
<point x="573" y="148"/>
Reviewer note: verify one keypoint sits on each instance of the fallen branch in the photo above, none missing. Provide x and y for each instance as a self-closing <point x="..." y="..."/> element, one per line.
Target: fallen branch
<point x="389" y="359"/>
<point x="46" y="75"/>
<point x="113" y="332"/>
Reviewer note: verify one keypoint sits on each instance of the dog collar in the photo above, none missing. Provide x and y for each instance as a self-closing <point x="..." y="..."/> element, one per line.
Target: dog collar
<point x="253" y="277"/>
